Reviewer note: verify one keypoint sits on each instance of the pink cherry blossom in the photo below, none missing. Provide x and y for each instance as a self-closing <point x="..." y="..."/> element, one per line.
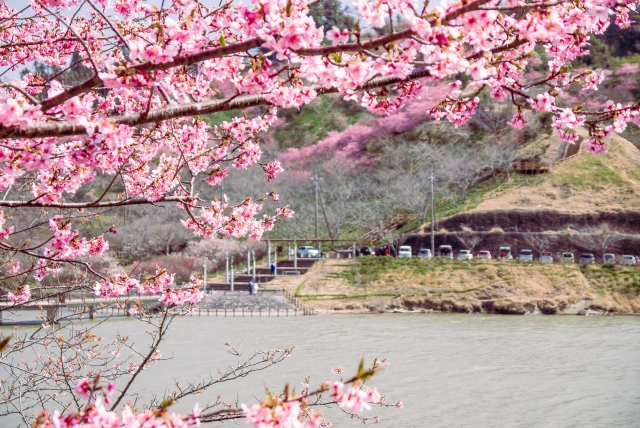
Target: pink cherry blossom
<point x="356" y="399"/>
<point x="84" y="389"/>
<point x="22" y="294"/>
<point x="337" y="36"/>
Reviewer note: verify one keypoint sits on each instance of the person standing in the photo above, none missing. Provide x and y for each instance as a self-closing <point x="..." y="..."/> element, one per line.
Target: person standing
<point x="273" y="269"/>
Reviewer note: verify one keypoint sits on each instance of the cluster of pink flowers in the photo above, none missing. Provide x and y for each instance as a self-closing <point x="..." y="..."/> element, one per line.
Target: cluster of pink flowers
<point x="22" y="294"/>
<point x="566" y="123"/>
<point x="68" y="242"/>
<point x="282" y="415"/>
<point x="4" y="232"/>
<point x="458" y="112"/>
<point x="97" y="415"/>
<point x="161" y="282"/>
<point x="355" y="399"/>
<point x="188" y="294"/>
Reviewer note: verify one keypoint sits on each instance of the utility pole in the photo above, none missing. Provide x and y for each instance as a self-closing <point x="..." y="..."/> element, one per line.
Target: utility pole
<point x="253" y="253"/>
<point x="316" y="179"/>
<point x="223" y="189"/>
<point x="232" y="273"/>
<point x="226" y="269"/>
<point x="433" y="217"/>
<point x="204" y="273"/>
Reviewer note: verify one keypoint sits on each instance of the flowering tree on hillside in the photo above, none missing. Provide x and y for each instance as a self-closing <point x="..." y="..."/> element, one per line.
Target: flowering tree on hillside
<point x="132" y="134"/>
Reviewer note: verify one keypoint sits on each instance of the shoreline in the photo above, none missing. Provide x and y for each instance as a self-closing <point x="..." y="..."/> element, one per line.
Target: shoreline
<point x="380" y="285"/>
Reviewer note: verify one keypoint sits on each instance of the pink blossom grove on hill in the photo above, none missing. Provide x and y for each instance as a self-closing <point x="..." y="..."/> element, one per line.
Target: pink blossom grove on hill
<point x="348" y="142"/>
<point x="130" y="133"/>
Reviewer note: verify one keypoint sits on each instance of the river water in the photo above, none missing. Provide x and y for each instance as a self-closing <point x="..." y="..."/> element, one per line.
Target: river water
<point x="449" y="370"/>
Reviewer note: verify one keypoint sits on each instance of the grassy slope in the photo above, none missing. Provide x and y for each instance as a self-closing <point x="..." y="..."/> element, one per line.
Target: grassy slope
<point x="383" y="282"/>
<point x="586" y="183"/>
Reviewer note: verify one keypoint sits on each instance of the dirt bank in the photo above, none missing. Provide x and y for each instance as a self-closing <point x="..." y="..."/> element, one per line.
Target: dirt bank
<point x="540" y="220"/>
<point x="498" y="228"/>
<point x="386" y="284"/>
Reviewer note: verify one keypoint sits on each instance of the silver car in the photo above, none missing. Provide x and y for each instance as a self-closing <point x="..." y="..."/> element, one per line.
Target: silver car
<point x="307" y="251"/>
<point x="586" y="258"/>
<point x="628" y="260"/>
<point x="526" y="255"/>
<point x="546" y="257"/>
<point x="425" y="253"/>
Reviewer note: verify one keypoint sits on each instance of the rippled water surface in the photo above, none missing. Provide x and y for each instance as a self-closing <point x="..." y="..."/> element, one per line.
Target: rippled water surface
<point x="449" y="370"/>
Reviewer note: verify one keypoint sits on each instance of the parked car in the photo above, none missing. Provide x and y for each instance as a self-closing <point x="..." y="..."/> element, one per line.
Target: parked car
<point x="484" y="254"/>
<point x="567" y="257"/>
<point x="526" y="255"/>
<point x="628" y="260"/>
<point x="404" y="251"/>
<point x="546" y="257"/>
<point x="465" y="255"/>
<point x="587" y="258"/>
<point x="382" y="250"/>
<point x="446" y="251"/>
<point x="425" y="253"/>
<point x="366" y="251"/>
<point x="307" y="251"/>
<point x="504" y="252"/>
<point x="609" y="258"/>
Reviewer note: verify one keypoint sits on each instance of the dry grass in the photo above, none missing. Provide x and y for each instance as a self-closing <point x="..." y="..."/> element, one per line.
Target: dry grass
<point x="584" y="184"/>
<point x="372" y="283"/>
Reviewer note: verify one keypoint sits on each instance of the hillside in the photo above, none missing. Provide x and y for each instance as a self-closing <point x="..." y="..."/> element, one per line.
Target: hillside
<point x="586" y="183"/>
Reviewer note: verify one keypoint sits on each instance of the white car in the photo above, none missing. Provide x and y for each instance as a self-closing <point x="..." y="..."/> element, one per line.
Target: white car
<point x="307" y="251"/>
<point x="628" y="260"/>
<point x="465" y="255"/>
<point x="404" y="251"/>
<point x="425" y="253"/>
<point x="446" y="251"/>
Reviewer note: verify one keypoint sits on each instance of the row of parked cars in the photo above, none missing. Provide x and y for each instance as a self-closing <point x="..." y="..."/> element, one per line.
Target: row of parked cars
<point x="505" y="253"/>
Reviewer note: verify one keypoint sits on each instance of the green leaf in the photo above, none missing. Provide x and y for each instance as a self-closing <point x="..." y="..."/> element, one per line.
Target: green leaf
<point x="4" y="343"/>
<point x="166" y="403"/>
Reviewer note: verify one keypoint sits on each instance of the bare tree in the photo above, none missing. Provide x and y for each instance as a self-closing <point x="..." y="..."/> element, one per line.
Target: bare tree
<point x="468" y="240"/>
<point x="490" y="118"/>
<point x="598" y="238"/>
<point x="539" y="241"/>
<point x="464" y="168"/>
<point x="504" y="156"/>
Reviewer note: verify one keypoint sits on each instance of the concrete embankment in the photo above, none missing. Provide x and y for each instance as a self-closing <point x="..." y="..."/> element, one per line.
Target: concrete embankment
<point x="245" y="301"/>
